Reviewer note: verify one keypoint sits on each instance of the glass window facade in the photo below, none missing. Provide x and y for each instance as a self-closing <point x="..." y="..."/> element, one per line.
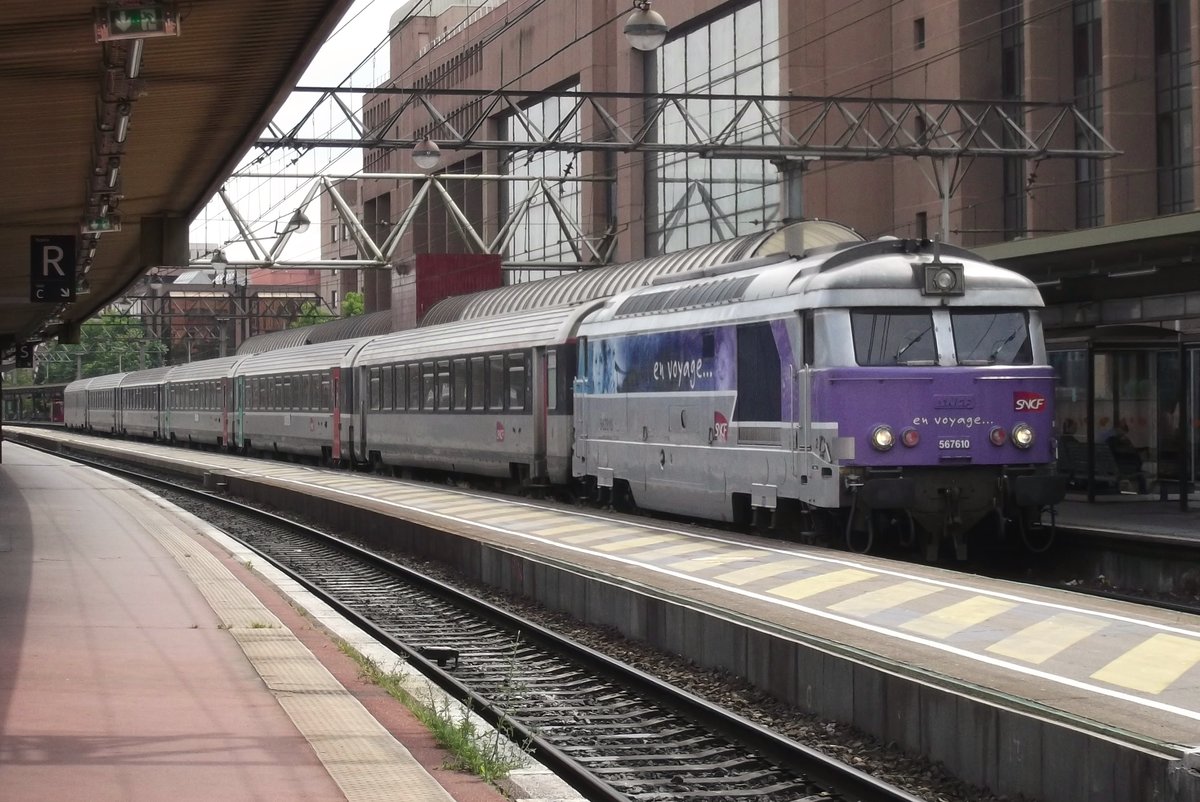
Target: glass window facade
<point x="1173" y="100"/>
<point x="1087" y="53"/>
<point x="1012" y="87"/>
<point x="694" y="201"/>
<point x="539" y="236"/>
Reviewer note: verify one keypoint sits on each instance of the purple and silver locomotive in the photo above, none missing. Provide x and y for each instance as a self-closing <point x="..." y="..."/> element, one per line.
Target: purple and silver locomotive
<point x="892" y="390"/>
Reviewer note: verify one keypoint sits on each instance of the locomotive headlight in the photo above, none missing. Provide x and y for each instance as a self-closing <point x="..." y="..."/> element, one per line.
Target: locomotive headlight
<point x="1022" y="435"/>
<point x="998" y="436"/>
<point x="910" y="438"/>
<point x="882" y="438"/>
<point x="943" y="278"/>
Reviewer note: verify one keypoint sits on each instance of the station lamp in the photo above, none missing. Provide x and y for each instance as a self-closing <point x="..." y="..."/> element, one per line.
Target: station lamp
<point x="645" y="29"/>
<point x="298" y="224"/>
<point x="426" y="154"/>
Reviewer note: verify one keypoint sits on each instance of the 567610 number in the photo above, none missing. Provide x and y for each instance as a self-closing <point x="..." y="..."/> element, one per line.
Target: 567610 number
<point x="949" y="443"/>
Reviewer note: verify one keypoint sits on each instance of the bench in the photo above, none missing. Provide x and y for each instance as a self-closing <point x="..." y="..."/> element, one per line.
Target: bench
<point x="1073" y="463"/>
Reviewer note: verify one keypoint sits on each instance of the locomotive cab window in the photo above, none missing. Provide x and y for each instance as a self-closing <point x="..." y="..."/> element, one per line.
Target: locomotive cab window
<point x="893" y="337"/>
<point x="992" y="337"/>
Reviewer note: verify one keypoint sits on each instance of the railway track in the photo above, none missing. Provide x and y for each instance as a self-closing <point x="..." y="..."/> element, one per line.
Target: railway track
<point x="611" y="731"/>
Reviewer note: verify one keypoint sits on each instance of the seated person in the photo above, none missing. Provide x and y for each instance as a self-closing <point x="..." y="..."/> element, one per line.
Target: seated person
<point x="1129" y="461"/>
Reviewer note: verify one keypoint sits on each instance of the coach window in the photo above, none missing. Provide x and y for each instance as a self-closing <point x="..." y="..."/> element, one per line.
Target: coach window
<point x="551" y="379"/>
<point x="516" y="381"/>
<point x="400" y="389"/>
<point x="414" y="387"/>
<point x="991" y="337"/>
<point x="496" y="381"/>
<point x="477" y="383"/>
<point x="326" y="401"/>
<point x="373" y="384"/>
<point x="459" y="375"/>
<point x="428" y="387"/>
<point x="387" y="388"/>
<point x="443" y="374"/>
<point x="758" y="371"/>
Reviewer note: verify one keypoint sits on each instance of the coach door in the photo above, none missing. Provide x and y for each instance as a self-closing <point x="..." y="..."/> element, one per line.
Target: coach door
<point x="336" y="401"/>
<point x="538" y="373"/>
<point x="239" y="412"/>
<point x="226" y="403"/>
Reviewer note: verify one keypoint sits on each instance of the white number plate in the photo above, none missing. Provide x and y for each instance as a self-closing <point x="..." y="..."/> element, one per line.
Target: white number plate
<point x="947" y="443"/>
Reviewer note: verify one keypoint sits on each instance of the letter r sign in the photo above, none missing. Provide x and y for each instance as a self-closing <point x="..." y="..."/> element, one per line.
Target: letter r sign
<point x="51" y="269"/>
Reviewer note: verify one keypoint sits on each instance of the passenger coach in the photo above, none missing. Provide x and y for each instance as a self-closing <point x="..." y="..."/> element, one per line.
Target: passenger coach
<point x="489" y="397"/>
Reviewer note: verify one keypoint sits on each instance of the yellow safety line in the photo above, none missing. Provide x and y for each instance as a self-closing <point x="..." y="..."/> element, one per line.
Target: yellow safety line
<point x="877" y="601"/>
<point x="1153" y="665"/>
<point x="1041" y="641"/>
<point x="955" y="618"/>
<point x="803" y="588"/>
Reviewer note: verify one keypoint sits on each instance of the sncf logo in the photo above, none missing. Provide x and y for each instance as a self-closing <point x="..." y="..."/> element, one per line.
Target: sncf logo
<point x="1024" y="401"/>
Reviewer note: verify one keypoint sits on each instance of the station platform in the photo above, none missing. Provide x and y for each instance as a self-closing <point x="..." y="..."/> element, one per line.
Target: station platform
<point x="1024" y="690"/>
<point x="1140" y="515"/>
<point x="141" y="661"/>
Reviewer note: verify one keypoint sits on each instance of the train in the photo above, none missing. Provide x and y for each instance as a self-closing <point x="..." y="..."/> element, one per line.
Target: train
<point x="891" y="391"/>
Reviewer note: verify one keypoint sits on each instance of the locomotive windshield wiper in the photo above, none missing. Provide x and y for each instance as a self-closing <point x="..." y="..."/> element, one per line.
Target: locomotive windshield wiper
<point x="1001" y="343"/>
<point x="913" y="341"/>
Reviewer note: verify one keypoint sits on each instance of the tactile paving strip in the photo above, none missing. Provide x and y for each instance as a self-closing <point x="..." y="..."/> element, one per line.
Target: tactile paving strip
<point x="360" y="755"/>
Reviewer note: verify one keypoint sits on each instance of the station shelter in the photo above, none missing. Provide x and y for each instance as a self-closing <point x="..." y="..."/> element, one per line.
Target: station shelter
<point x="1122" y="325"/>
<point x="1126" y="411"/>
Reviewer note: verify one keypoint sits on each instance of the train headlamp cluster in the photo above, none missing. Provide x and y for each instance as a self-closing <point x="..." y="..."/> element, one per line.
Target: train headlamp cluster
<point x="883" y="438"/>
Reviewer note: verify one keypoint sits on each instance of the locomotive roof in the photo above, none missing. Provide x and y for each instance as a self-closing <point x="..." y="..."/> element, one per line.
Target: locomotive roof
<point x="880" y="273"/>
<point x="604" y="282"/>
<point x="521" y="330"/>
